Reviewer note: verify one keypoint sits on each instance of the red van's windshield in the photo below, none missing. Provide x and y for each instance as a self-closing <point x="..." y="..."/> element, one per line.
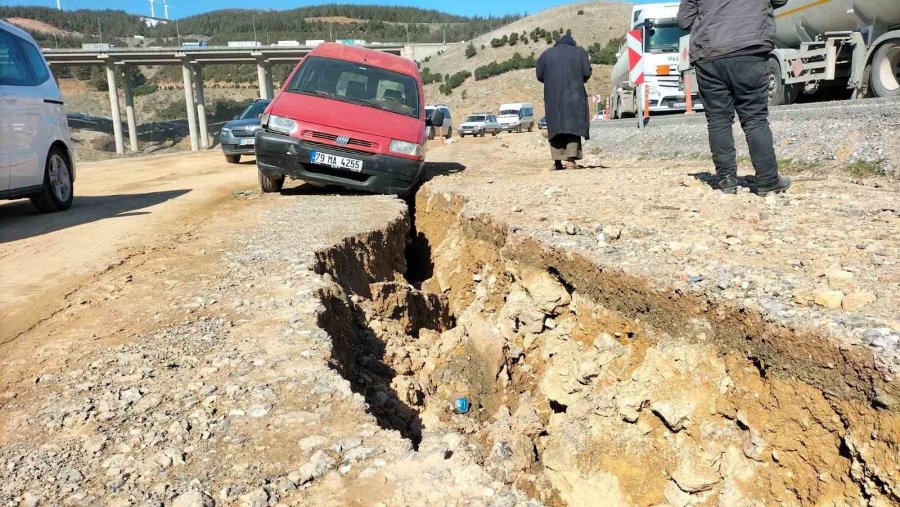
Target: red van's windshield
<point x="359" y="84"/>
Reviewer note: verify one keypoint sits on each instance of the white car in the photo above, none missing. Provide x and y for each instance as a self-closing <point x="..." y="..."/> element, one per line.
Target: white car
<point x="479" y="124"/>
<point x="36" y="156"/>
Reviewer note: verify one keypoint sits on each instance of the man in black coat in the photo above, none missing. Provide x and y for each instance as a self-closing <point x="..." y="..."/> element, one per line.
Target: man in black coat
<point x="730" y="41"/>
<point x="564" y="69"/>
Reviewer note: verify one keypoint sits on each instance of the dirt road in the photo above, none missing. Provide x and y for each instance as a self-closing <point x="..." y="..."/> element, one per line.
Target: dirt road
<point x="120" y="209"/>
<point x="194" y="342"/>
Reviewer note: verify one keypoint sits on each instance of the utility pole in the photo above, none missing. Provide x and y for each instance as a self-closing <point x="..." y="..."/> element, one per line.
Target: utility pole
<point x="100" y="30"/>
<point x="255" y="40"/>
<point x="177" y="33"/>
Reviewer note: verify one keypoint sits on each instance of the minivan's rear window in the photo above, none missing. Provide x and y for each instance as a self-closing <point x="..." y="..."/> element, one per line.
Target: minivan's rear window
<point x="358" y="84"/>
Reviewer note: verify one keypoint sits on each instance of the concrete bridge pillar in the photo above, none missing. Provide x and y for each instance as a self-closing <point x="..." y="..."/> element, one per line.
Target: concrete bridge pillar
<point x="115" y="113"/>
<point x="188" y="76"/>
<point x="129" y="111"/>
<point x="264" y="76"/>
<point x="201" y="106"/>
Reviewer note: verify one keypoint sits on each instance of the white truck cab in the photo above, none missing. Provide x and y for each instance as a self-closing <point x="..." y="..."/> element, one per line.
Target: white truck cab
<point x="661" y="36"/>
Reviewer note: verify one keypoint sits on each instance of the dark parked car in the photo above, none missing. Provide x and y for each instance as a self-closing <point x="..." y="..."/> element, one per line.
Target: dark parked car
<point x="543" y="123"/>
<point x="238" y="137"/>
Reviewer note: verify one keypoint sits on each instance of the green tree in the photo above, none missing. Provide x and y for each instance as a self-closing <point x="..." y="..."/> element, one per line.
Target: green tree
<point x="470" y="50"/>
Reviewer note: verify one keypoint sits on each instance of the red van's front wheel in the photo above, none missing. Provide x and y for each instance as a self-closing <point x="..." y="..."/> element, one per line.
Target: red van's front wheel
<point x="269" y="184"/>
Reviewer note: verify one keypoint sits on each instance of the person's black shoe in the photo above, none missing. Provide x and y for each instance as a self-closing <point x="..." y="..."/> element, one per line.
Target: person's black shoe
<point x="728" y="185"/>
<point x="778" y="186"/>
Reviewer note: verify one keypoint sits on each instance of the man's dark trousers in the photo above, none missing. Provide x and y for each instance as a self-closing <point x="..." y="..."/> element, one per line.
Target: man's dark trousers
<point x="738" y="83"/>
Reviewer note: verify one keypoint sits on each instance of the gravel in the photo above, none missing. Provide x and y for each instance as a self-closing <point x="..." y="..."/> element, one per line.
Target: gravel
<point x="829" y="133"/>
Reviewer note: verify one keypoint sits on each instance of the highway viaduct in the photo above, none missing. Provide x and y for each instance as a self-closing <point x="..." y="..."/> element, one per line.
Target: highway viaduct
<point x="191" y="61"/>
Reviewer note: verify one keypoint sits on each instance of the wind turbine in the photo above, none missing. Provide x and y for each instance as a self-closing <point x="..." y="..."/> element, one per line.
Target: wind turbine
<point x="152" y="9"/>
<point x="166" y="8"/>
<point x="59" y="5"/>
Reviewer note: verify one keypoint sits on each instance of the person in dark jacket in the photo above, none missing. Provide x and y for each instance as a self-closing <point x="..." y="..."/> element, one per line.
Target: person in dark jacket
<point x="730" y="41"/>
<point x="564" y="69"/>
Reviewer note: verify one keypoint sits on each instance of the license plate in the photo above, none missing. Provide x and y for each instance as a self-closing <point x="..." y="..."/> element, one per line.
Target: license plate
<point x="679" y="104"/>
<point x="247" y="142"/>
<point x="349" y="164"/>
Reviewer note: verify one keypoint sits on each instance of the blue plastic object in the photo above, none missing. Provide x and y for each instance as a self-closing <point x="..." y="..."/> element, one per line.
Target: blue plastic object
<point x="461" y="405"/>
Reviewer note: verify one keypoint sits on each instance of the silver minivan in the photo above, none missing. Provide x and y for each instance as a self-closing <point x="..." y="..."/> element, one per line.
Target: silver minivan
<point x="36" y="156"/>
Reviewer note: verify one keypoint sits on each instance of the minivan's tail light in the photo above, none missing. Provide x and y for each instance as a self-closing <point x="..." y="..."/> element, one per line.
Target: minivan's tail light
<point x="405" y="148"/>
<point x="279" y="124"/>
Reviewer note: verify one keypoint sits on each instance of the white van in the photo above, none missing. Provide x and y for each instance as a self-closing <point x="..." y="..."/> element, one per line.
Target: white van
<point x="516" y="117"/>
<point x="36" y="157"/>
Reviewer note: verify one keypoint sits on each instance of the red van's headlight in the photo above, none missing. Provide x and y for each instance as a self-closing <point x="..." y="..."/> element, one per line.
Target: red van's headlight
<point x="405" y="148"/>
<point x="279" y="124"/>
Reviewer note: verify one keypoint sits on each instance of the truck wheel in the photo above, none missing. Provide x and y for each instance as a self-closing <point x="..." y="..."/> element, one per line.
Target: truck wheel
<point x="885" y="73"/>
<point x="270" y="185"/>
<point x="233" y="159"/>
<point x="449" y="133"/>
<point x="779" y="93"/>
<point x="531" y="127"/>
<point x="57" y="191"/>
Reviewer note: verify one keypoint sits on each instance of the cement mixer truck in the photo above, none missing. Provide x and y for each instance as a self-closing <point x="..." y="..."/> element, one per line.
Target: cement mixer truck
<point x="849" y="43"/>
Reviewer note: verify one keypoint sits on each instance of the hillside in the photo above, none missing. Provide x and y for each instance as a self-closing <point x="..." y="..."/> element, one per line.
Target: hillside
<point x="515" y="86"/>
<point x="372" y="23"/>
<point x="598" y="23"/>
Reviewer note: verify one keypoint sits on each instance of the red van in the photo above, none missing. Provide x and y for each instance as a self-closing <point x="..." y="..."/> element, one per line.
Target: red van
<point x="347" y="116"/>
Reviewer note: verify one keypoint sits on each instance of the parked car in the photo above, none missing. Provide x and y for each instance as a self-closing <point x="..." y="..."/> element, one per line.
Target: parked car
<point x="543" y="123"/>
<point x="516" y="117"/>
<point x="479" y="124"/>
<point x="36" y="155"/>
<point x="238" y="137"/>
<point x="446" y="127"/>
<point x="347" y="116"/>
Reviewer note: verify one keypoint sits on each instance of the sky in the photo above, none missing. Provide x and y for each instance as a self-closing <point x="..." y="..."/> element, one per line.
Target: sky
<point x="183" y="8"/>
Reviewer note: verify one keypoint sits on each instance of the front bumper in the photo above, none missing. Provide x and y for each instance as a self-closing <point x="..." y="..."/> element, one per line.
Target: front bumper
<point x="280" y="155"/>
<point x="673" y="103"/>
<point x="471" y="130"/>
<point x="235" y="149"/>
<point x="231" y="144"/>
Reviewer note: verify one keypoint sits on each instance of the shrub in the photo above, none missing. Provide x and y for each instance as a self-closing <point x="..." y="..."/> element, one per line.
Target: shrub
<point x="581" y="12"/>
<point x="470" y="50"/>
<point x="514" y="39"/>
<point x="517" y="62"/>
<point x="605" y="55"/>
<point x="454" y="81"/>
<point x="429" y="78"/>
<point x="145" y="89"/>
